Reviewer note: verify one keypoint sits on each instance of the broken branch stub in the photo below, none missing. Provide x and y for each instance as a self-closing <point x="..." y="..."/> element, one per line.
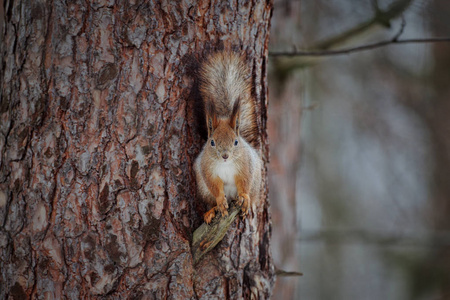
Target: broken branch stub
<point x="206" y="237"/>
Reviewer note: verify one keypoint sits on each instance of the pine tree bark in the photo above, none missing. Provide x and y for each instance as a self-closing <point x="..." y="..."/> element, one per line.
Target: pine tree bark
<point x="97" y="142"/>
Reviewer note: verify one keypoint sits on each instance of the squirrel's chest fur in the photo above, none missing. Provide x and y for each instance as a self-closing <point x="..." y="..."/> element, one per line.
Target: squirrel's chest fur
<point x="227" y="171"/>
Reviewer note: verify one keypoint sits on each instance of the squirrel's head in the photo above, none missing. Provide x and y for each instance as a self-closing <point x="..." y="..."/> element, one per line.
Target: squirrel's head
<point x="223" y="134"/>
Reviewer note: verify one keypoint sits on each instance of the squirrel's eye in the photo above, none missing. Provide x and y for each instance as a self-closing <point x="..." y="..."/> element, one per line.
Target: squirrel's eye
<point x="235" y="142"/>
<point x="212" y="143"/>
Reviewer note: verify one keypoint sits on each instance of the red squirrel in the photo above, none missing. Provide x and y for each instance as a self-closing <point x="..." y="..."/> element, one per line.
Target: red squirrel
<point x="228" y="167"/>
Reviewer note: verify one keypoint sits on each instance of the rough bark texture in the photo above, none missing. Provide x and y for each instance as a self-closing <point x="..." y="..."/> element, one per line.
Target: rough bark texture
<point x="97" y="141"/>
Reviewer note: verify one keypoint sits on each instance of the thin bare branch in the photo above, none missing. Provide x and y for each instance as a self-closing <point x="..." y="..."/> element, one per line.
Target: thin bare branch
<point x="360" y="48"/>
<point x="400" y="31"/>
<point x="380" y="17"/>
<point x="283" y="273"/>
<point x="289" y="61"/>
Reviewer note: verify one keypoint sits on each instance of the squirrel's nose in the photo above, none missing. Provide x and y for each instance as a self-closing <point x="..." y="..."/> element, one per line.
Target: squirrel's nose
<point x="225" y="156"/>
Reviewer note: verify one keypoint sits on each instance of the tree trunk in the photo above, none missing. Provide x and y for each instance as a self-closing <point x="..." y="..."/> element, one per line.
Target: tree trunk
<point x="97" y="141"/>
<point x="435" y="112"/>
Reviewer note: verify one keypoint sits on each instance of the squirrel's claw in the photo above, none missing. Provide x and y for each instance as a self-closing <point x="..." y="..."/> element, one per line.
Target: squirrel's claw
<point x="222" y="206"/>
<point x="223" y="209"/>
<point x="243" y="201"/>
<point x="239" y="201"/>
<point x="209" y="215"/>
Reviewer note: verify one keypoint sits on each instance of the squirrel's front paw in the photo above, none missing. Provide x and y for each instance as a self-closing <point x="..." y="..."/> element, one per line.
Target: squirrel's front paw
<point x="209" y="215"/>
<point x="222" y="206"/>
<point x="243" y="200"/>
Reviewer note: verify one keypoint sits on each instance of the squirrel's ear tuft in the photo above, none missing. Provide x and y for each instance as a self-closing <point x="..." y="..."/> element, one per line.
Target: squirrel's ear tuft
<point x="234" y="120"/>
<point x="211" y="118"/>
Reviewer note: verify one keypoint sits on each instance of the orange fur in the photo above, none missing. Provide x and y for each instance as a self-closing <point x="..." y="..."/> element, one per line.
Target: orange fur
<point x="243" y="189"/>
<point x="228" y="167"/>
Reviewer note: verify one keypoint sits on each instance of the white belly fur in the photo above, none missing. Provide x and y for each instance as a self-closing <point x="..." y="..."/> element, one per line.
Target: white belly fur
<point x="226" y="172"/>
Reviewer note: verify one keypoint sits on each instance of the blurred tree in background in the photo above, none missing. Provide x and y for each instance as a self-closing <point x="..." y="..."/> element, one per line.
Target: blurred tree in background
<point x="366" y="187"/>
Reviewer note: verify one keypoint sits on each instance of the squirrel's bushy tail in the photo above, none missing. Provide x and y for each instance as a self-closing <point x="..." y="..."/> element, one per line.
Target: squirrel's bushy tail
<point x="225" y="78"/>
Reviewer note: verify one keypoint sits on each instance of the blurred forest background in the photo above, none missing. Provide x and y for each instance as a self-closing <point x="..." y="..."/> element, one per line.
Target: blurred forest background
<point x="360" y="150"/>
